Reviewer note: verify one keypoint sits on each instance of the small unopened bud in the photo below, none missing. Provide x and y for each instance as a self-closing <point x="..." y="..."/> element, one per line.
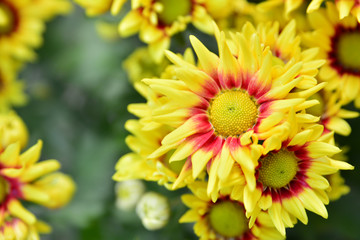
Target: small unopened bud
<point x="153" y="210"/>
<point x="128" y="193"/>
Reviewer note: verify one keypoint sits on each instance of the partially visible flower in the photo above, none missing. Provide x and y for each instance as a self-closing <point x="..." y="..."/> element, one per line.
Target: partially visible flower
<point x="140" y="65"/>
<point x="22" y="177"/>
<point x="15" y="229"/>
<point x="128" y="193"/>
<point x="157" y="21"/>
<point x="95" y="7"/>
<point x="47" y="9"/>
<point x="291" y="178"/>
<point x="331" y="112"/>
<point x="345" y="7"/>
<point x="20" y="29"/>
<point x="225" y="218"/>
<point x="11" y="89"/>
<point x="107" y="30"/>
<point x="153" y="210"/>
<point x="58" y="186"/>
<point x="282" y="11"/>
<point x="338" y="41"/>
<point x="12" y="129"/>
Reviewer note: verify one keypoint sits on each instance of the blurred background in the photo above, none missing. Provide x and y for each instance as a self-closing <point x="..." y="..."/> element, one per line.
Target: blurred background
<point x="79" y="94"/>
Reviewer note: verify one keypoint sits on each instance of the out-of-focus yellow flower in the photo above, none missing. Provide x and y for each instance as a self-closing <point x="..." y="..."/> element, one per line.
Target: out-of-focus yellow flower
<point x="15" y="229"/>
<point x="48" y="9"/>
<point x="345" y="7"/>
<point x="58" y="186"/>
<point x="22" y="177"/>
<point x="156" y="21"/>
<point x="12" y="129"/>
<point x="20" y="29"/>
<point x="11" y="90"/>
<point x="95" y="7"/>
<point x="22" y="25"/>
<point x="225" y="218"/>
<point x="338" y="41"/>
<point x="108" y="31"/>
<point x="140" y="65"/>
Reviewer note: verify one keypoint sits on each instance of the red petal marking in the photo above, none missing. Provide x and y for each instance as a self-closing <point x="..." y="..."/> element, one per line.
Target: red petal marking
<point x="199" y="139"/>
<point x="214" y="144"/>
<point x="210" y="88"/>
<point x="202" y="123"/>
<point x="302" y="153"/>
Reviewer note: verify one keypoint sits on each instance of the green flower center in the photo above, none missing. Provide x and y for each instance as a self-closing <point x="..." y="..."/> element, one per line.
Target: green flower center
<point x="348" y="50"/>
<point x="4" y="189"/>
<point x="228" y="219"/>
<point x="278" y="169"/>
<point x="317" y="110"/>
<point x="7" y="19"/>
<point x="232" y="113"/>
<point x="172" y="9"/>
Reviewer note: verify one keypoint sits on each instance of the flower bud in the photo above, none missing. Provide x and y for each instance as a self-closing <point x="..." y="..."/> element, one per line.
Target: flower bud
<point x="153" y="210"/>
<point x="128" y="193"/>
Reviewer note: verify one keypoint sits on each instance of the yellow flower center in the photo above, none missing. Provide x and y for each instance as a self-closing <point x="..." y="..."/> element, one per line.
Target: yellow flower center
<point x="348" y="50"/>
<point x="4" y="189"/>
<point x="232" y="113"/>
<point x="7" y="19"/>
<point x="228" y="219"/>
<point x="278" y="169"/>
<point x="317" y="110"/>
<point x="172" y="9"/>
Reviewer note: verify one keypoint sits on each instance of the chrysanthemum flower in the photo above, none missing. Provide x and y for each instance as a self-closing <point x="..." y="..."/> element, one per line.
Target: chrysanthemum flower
<point x="12" y="129"/>
<point x="223" y="107"/>
<point x="14" y="229"/>
<point x="331" y="113"/>
<point x="20" y="29"/>
<point x="156" y="21"/>
<point x="225" y="218"/>
<point x="23" y="178"/>
<point x="11" y="90"/>
<point x="338" y="41"/>
<point x="345" y="7"/>
<point x="289" y="5"/>
<point x="291" y="179"/>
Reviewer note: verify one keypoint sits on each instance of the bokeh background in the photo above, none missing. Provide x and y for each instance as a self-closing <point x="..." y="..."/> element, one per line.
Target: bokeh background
<point x="79" y="94"/>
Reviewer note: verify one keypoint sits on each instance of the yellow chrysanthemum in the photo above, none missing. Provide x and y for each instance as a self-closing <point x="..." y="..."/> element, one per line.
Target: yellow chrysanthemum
<point x="22" y="177"/>
<point x="331" y="113"/>
<point x="291" y="178"/>
<point x="11" y="89"/>
<point x="225" y="218"/>
<point x="237" y="14"/>
<point x="345" y="7"/>
<point x="12" y="129"/>
<point x="338" y="41"/>
<point x="289" y="5"/>
<point x="156" y="21"/>
<point x="20" y="29"/>
<point x="223" y="107"/>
